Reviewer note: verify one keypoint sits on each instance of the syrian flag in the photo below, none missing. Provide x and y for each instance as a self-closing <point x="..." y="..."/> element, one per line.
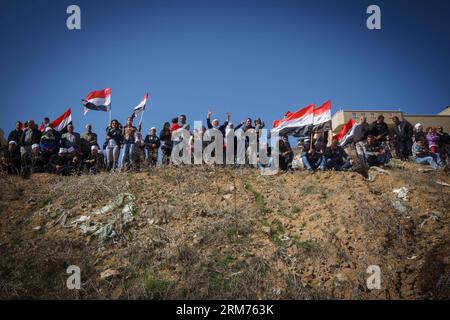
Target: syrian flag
<point x="97" y="100"/>
<point x="345" y="136"/>
<point x="322" y="117"/>
<point x="140" y="107"/>
<point x="59" y="124"/>
<point x="295" y="123"/>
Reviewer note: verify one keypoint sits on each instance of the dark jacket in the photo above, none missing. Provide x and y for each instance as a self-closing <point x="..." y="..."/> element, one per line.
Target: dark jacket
<point x="403" y="131"/>
<point x="221" y="128"/>
<point x="165" y="136"/>
<point x="15" y="135"/>
<point x="338" y="155"/>
<point x="379" y="129"/>
<point x="151" y="140"/>
<point x="361" y="132"/>
<point x="115" y="134"/>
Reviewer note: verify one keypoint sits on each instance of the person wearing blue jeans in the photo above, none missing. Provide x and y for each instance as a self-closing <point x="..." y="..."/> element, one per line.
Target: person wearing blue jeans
<point x="374" y="152"/>
<point x="313" y="160"/>
<point x="422" y="155"/>
<point x="336" y="158"/>
<point x="129" y="140"/>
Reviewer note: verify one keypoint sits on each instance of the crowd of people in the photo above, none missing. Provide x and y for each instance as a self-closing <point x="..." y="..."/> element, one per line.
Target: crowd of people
<point x="31" y="149"/>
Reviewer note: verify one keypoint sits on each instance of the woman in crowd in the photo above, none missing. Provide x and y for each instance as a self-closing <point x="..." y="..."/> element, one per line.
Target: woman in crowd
<point x="433" y="140"/>
<point x="113" y="142"/>
<point x="165" y="136"/>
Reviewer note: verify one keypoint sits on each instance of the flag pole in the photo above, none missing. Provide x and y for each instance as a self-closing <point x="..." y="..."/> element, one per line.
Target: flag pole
<point x="110" y="115"/>
<point x="142" y="117"/>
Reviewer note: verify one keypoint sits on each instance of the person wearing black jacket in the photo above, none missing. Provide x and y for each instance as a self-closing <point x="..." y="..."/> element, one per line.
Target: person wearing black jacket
<point x="215" y="123"/>
<point x="403" y="132"/>
<point x="165" y="136"/>
<point x="336" y="158"/>
<point x="151" y="146"/>
<point x="379" y="129"/>
<point x="16" y="134"/>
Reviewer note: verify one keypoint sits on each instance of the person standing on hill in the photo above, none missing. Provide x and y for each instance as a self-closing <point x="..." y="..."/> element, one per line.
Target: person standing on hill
<point x="113" y="142"/>
<point x="165" y="137"/>
<point x="403" y="132"/>
<point x="129" y="140"/>
<point x="379" y="129"/>
<point x="151" y="145"/>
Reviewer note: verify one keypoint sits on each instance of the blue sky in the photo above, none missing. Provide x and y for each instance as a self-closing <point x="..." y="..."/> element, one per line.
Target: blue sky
<point x="252" y="58"/>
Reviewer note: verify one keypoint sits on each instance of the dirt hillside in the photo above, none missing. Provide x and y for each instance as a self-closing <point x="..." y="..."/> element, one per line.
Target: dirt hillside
<point x="196" y="232"/>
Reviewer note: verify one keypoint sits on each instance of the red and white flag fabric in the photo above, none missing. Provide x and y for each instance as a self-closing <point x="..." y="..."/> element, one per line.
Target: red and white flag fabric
<point x="345" y="136"/>
<point x="60" y="123"/>
<point x="295" y="123"/>
<point x="322" y="117"/>
<point x="99" y="100"/>
<point x="141" y="106"/>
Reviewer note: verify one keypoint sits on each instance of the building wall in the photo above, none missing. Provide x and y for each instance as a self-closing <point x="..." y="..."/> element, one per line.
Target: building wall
<point x="343" y="116"/>
<point x="430" y="121"/>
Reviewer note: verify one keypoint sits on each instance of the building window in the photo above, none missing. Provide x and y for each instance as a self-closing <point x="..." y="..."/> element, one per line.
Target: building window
<point x="354" y="116"/>
<point x="363" y="114"/>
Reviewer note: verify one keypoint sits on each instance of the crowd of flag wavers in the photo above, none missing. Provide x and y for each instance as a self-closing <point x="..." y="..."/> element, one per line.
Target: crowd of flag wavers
<point x="55" y="147"/>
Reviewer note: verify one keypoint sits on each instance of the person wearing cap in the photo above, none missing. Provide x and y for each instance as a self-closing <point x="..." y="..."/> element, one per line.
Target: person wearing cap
<point x="87" y="140"/>
<point x="95" y="162"/>
<point x="151" y="146"/>
<point x="37" y="161"/>
<point x="49" y="144"/>
<point x="403" y="132"/>
<point x="215" y="123"/>
<point x="418" y="132"/>
<point x="379" y="129"/>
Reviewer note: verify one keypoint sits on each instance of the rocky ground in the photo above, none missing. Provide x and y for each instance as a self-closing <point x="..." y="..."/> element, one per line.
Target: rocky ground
<point x="196" y="232"/>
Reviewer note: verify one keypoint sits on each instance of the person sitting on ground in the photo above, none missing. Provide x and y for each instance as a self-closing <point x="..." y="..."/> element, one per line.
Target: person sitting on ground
<point x="60" y="163"/>
<point x="418" y="132"/>
<point x="422" y="155"/>
<point x="311" y="159"/>
<point x="88" y="139"/>
<point x="71" y="141"/>
<point x="444" y="143"/>
<point x="403" y="132"/>
<point x="375" y="152"/>
<point x="379" y="129"/>
<point x="151" y="145"/>
<point x="30" y="136"/>
<point x="433" y="140"/>
<point x="95" y="162"/>
<point x="336" y="158"/>
<point x="49" y="144"/>
<point x="38" y="162"/>
<point x="286" y="155"/>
